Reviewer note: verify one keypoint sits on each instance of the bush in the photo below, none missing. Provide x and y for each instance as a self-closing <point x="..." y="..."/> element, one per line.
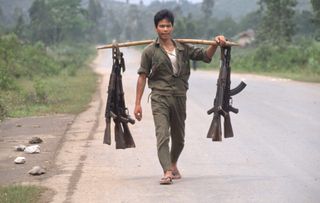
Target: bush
<point x="6" y="81"/>
<point x="301" y="59"/>
<point x="3" y="110"/>
<point x="41" y="94"/>
<point x="29" y="73"/>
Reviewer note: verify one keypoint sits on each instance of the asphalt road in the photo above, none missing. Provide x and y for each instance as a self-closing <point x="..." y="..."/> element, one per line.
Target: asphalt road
<point x="274" y="156"/>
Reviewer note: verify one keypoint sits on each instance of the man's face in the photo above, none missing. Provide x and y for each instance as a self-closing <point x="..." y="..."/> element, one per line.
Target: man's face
<point x="164" y="29"/>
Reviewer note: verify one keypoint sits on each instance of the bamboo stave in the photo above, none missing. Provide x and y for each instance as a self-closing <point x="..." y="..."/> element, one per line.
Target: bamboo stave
<point x="144" y="42"/>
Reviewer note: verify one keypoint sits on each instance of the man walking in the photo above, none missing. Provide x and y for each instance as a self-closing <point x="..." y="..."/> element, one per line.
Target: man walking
<point x="166" y="65"/>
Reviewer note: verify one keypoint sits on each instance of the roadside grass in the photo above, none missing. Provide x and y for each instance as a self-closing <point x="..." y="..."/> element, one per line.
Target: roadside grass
<point x="303" y="76"/>
<point x="19" y="193"/>
<point x="57" y="94"/>
<point x="277" y="61"/>
<point x="36" y="79"/>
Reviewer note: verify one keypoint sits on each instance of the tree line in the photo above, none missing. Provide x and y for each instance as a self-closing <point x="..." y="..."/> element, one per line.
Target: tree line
<point x="57" y="21"/>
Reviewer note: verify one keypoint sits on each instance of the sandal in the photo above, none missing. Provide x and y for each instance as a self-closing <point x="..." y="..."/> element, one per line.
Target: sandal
<point x="166" y="180"/>
<point x="176" y="175"/>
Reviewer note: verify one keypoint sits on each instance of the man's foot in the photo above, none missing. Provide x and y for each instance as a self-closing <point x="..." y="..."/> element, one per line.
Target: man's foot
<point x="176" y="175"/>
<point x="166" y="180"/>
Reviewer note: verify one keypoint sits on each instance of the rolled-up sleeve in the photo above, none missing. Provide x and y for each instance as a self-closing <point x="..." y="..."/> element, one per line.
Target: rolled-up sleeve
<point x="145" y="63"/>
<point x="198" y="54"/>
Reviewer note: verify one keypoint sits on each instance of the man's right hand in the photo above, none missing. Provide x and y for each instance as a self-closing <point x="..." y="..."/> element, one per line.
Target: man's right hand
<point x="138" y="112"/>
<point x="140" y="88"/>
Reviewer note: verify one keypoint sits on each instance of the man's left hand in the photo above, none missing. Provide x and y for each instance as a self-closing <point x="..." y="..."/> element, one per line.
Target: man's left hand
<point x="220" y="39"/>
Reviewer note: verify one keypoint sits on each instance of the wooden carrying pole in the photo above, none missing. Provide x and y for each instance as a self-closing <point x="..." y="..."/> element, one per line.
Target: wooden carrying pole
<point x="144" y="42"/>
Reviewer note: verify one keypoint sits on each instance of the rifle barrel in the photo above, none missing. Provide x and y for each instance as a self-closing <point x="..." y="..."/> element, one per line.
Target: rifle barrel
<point x="144" y="42"/>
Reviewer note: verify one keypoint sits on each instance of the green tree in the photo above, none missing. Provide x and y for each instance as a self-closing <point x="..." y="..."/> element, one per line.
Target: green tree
<point x="69" y="20"/>
<point x="1" y="13"/>
<point x="58" y="20"/>
<point x="277" y="25"/>
<point x="185" y="27"/>
<point x="41" y="22"/>
<point x="131" y="25"/>
<point x="134" y="28"/>
<point x="304" y="23"/>
<point x="227" y="26"/>
<point x="177" y="11"/>
<point x="1" y="19"/>
<point x="115" y="29"/>
<point x="179" y="28"/>
<point x="95" y="14"/>
<point x="206" y="7"/>
<point x="10" y="48"/>
<point x="316" y="8"/>
<point x="250" y="21"/>
<point x="94" y="11"/>
<point x="20" y="27"/>
<point x="191" y="27"/>
<point x="316" y="16"/>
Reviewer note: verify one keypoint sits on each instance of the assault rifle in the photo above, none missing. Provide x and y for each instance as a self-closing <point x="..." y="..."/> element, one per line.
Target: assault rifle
<point x="223" y="101"/>
<point x="115" y="107"/>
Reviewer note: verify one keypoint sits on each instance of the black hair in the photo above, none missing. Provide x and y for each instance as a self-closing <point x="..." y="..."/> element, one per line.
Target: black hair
<point x="163" y="14"/>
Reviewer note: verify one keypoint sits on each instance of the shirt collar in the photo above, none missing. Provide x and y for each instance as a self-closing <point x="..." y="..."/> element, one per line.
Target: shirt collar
<point x="177" y="44"/>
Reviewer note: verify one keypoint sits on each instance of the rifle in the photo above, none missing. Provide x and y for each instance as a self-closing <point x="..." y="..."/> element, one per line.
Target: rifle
<point x="222" y="104"/>
<point x="115" y="106"/>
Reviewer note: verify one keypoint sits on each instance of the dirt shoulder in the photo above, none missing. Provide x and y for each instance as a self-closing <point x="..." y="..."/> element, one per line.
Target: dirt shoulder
<point x="18" y="131"/>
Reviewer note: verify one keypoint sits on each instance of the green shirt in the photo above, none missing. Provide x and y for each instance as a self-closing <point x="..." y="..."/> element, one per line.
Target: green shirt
<point x="156" y="64"/>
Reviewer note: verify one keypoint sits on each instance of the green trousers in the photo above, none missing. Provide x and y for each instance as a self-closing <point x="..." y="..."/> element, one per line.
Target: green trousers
<point x="169" y="115"/>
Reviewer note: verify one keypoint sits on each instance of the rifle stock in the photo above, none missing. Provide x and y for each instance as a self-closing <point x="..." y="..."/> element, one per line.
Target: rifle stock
<point x="109" y="107"/>
<point x="129" y="142"/>
<point x="119" y="136"/>
<point x="215" y="131"/>
<point x="228" y="132"/>
<point x="107" y="132"/>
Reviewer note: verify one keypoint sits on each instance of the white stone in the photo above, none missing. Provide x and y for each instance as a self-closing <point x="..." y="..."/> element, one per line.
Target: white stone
<point x="20" y="160"/>
<point x="37" y="170"/>
<point x="32" y="149"/>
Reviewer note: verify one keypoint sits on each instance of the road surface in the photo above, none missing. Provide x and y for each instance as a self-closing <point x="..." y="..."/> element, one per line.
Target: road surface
<point x="274" y="156"/>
